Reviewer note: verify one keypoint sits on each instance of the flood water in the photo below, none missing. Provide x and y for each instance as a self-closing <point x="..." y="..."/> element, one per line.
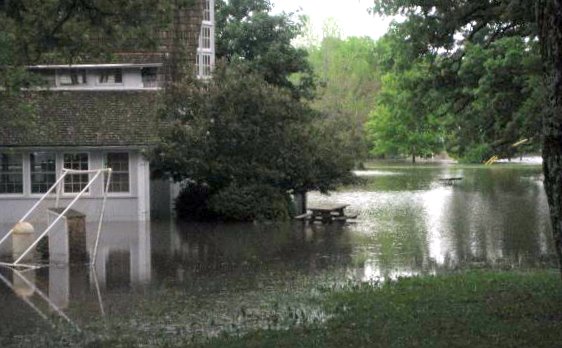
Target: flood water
<point x="197" y="280"/>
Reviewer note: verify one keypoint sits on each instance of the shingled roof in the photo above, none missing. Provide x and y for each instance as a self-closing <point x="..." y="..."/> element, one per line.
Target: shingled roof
<point x="88" y="118"/>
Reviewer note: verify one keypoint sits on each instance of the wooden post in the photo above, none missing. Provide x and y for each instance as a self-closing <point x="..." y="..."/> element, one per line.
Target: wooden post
<point x="71" y="242"/>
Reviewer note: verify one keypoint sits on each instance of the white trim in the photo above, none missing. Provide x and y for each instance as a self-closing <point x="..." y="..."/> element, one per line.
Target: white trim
<point x="94" y="66"/>
<point x="27" y="159"/>
<point x="23" y="186"/>
<point x="65" y="194"/>
<point x="100" y="73"/>
<point x="124" y="194"/>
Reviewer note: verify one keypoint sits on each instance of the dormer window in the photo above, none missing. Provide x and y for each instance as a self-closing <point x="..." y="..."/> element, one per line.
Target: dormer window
<point x="72" y="77"/>
<point x="110" y="77"/>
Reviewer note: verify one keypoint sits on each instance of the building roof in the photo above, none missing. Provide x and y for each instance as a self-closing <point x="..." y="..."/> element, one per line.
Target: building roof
<point x="88" y="118"/>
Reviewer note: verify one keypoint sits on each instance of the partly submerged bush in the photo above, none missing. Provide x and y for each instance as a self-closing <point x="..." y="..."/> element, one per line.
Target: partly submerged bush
<point x="191" y="203"/>
<point x="252" y="202"/>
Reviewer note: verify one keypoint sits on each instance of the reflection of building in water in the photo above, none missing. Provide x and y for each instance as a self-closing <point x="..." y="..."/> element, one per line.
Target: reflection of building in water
<point x="124" y="259"/>
<point x="123" y="255"/>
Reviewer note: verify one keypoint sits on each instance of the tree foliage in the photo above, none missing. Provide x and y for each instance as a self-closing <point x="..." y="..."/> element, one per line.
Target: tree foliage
<point x="404" y="121"/>
<point x="237" y="130"/>
<point x="247" y="31"/>
<point x="348" y="81"/>
<point x="481" y="78"/>
<point x="455" y="28"/>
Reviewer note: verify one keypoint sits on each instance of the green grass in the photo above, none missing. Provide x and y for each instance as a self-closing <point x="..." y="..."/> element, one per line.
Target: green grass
<point x="474" y="309"/>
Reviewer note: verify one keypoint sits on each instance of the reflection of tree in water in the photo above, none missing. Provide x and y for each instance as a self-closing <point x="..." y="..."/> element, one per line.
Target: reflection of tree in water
<point x="497" y="216"/>
<point x="243" y="253"/>
<point x="400" y="241"/>
<point x="246" y="275"/>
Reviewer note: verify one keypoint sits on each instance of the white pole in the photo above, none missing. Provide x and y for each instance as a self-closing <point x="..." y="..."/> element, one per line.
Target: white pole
<point x="95" y="253"/>
<point x="25" y="299"/>
<point x="47" y="299"/>
<point x="58" y="218"/>
<point x="34" y="207"/>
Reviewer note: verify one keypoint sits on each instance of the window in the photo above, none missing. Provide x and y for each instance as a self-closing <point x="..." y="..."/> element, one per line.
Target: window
<point x="43" y="171"/>
<point x="74" y="183"/>
<point x="149" y="77"/>
<point x="205" y="39"/>
<point x="204" y="64"/>
<point x="119" y="163"/>
<point x="111" y="76"/>
<point x="73" y="77"/>
<point x="207" y="11"/>
<point x="11" y="173"/>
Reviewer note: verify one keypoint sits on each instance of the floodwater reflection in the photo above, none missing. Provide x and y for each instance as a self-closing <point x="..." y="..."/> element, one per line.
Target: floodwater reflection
<point x="203" y="279"/>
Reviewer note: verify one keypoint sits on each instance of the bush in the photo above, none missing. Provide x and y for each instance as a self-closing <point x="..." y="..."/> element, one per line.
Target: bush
<point x="191" y="203"/>
<point x="250" y="203"/>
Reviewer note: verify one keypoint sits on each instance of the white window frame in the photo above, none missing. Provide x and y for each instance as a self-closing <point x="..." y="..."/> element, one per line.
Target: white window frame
<point x="100" y="72"/>
<point x="60" y="72"/>
<point x="63" y="183"/>
<point x="30" y="171"/>
<point x="203" y="53"/>
<point x="22" y="193"/>
<point x="104" y="165"/>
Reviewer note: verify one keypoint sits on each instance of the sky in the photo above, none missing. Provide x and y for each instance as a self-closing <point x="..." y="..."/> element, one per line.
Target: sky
<point x="350" y="15"/>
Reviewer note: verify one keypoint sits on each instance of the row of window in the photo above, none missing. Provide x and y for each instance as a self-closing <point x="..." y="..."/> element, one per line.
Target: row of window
<point x="43" y="172"/>
<point x="79" y="77"/>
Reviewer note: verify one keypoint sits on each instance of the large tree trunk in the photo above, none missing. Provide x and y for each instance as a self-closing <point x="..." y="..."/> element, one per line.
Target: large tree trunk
<point x="549" y="19"/>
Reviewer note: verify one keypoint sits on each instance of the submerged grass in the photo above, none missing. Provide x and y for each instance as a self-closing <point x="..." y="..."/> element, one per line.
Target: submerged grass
<point x="481" y="308"/>
<point x="473" y="309"/>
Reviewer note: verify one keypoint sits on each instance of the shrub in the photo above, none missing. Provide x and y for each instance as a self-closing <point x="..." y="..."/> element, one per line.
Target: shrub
<point x="191" y="203"/>
<point x="252" y="202"/>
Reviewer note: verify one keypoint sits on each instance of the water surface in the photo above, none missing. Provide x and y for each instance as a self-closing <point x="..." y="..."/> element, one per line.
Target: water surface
<point x="197" y="280"/>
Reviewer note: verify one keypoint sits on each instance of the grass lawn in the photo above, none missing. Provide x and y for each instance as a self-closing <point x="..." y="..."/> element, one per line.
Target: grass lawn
<point x="473" y="309"/>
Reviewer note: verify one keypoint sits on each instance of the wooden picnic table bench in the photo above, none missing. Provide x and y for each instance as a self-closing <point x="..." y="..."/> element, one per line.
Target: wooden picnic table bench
<point x="328" y="212"/>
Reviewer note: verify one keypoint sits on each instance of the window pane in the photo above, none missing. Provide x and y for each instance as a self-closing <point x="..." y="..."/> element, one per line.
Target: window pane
<point x="111" y="76"/>
<point x="11" y="173"/>
<point x="207" y="11"/>
<point x="72" y="77"/>
<point x="119" y="163"/>
<point x="75" y="183"/>
<point x="43" y="171"/>
<point x="205" y="42"/>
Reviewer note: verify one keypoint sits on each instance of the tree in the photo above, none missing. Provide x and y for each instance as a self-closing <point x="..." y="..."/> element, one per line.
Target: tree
<point x="237" y="131"/>
<point x="348" y="82"/>
<point x="449" y="27"/>
<point x="549" y="21"/>
<point x="247" y="31"/>
<point x="403" y="120"/>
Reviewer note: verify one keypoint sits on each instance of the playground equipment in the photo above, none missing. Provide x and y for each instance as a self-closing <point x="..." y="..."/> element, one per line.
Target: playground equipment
<point x="495" y="158"/>
<point x="23" y="227"/>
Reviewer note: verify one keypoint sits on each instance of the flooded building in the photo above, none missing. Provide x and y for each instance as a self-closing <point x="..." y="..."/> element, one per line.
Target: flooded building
<point x="100" y="114"/>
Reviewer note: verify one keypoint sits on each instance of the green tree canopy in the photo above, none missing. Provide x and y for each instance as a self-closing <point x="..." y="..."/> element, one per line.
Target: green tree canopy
<point x="348" y="82"/>
<point x="481" y="74"/>
<point x="449" y="27"/>
<point x="237" y="130"/>
<point x="247" y="31"/>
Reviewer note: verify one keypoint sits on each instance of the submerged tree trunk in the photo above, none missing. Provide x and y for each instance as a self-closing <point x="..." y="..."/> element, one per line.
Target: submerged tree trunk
<point x="549" y="19"/>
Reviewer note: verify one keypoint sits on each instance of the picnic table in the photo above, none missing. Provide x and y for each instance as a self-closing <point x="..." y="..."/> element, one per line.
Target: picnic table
<point x="327" y="213"/>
